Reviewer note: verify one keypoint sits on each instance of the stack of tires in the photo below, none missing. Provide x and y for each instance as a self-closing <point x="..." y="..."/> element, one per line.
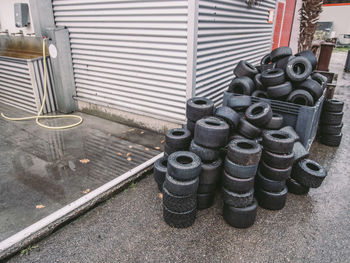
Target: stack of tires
<point x="180" y="189"/>
<point x="275" y="168"/>
<point x="177" y="139"/>
<point x="331" y="122"/>
<point x="241" y="164"/>
<point x="210" y="135"/>
<point x="196" y="109"/>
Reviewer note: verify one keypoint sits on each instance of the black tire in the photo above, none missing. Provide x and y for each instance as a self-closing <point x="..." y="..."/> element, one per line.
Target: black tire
<point x="206" y="188"/>
<point x="237" y="185"/>
<point x="236" y="102"/>
<point x="322" y="80"/>
<point x="181" y="188"/>
<point x="228" y="115"/>
<point x="240" y="171"/>
<point x="169" y="150"/>
<point x="292" y="132"/>
<point x="184" y="166"/>
<point x="258" y="83"/>
<point x="260" y="94"/>
<point x="265" y="60"/>
<point x="259" y="113"/>
<point x="280" y="91"/>
<point x="333" y="105"/>
<point x="331" y="140"/>
<point x="278" y="141"/>
<point x="205" y="154"/>
<point x="331" y="129"/>
<point x="275" y="123"/>
<point x="179" y="220"/>
<point x="310" y="57"/>
<point x="159" y="171"/>
<point x="295" y="188"/>
<point x="300" y="152"/>
<point x="246" y="69"/>
<point x="298" y="69"/>
<point x="332" y="118"/>
<point x="205" y="201"/>
<point x="313" y="87"/>
<point x="178" y="138"/>
<point x="309" y="173"/>
<point x="199" y="107"/>
<point x="210" y="172"/>
<point x="274" y="174"/>
<point x="273" y="77"/>
<point x="190" y="126"/>
<point x="244" y="152"/>
<point x="248" y="130"/>
<point x="269" y="185"/>
<point x="272" y="201"/>
<point x="242" y="85"/>
<point x="280" y="161"/>
<point x="282" y="63"/>
<point x="300" y="97"/>
<point x="179" y="204"/>
<point x="280" y="52"/>
<point x="238" y="199"/>
<point x="211" y="132"/>
<point x="235" y="136"/>
<point x="240" y="217"/>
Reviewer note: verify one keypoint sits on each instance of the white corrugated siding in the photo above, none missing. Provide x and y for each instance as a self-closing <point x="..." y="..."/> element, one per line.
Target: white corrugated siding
<point x="228" y="32"/>
<point x="129" y="54"/>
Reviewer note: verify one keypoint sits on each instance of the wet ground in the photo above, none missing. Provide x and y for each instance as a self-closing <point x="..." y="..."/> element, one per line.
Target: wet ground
<point x="129" y="226"/>
<point x="42" y="170"/>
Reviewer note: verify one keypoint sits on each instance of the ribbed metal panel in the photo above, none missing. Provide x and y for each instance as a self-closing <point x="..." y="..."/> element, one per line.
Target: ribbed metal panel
<point x="129" y="54"/>
<point x="228" y="32"/>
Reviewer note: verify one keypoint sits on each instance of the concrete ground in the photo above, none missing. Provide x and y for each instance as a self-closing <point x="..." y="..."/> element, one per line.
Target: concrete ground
<point x="129" y="226"/>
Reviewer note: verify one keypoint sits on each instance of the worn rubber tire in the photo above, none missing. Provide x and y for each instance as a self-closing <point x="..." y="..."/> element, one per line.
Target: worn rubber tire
<point x="205" y="154"/>
<point x="322" y="80"/>
<point x="169" y="150"/>
<point x="280" y="161"/>
<point x="282" y="63"/>
<point x="269" y="185"/>
<point x="292" y="132"/>
<point x="190" y="126"/>
<point x="298" y="69"/>
<point x="237" y="185"/>
<point x="257" y="82"/>
<point x="184" y="166"/>
<point x="199" y="107"/>
<point x="331" y="129"/>
<point x="240" y="171"/>
<point x="244" y="152"/>
<point x="178" y="138"/>
<point x="277" y="141"/>
<point x="181" y="188"/>
<point x="260" y="94"/>
<point x="280" y="52"/>
<point x="333" y="105"/>
<point x="248" y="130"/>
<point x="237" y="199"/>
<point x="300" y="152"/>
<point x="300" y="97"/>
<point x="244" y="68"/>
<point x="280" y="91"/>
<point x="236" y="102"/>
<point x="205" y="201"/>
<point x="272" y="201"/>
<point x="240" y="217"/>
<point x="206" y="188"/>
<point x="274" y="174"/>
<point x="273" y="77"/>
<point x="295" y="188"/>
<point x="310" y="57"/>
<point x="177" y="203"/>
<point x="313" y="87"/>
<point x="229" y="115"/>
<point x="275" y="123"/>
<point x="211" y="132"/>
<point x="331" y="118"/>
<point x="266" y="60"/>
<point x="259" y="113"/>
<point x="309" y="173"/>
<point x="331" y="140"/>
<point x="179" y="220"/>
<point x="242" y="85"/>
<point x="210" y="172"/>
<point x="159" y="171"/>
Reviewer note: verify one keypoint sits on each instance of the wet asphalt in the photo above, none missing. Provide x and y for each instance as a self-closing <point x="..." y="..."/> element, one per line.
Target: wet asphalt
<point x="129" y="226"/>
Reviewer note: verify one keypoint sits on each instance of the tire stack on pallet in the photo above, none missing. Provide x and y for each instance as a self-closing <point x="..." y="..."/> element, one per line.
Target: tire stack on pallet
<point x="331" y="122"/>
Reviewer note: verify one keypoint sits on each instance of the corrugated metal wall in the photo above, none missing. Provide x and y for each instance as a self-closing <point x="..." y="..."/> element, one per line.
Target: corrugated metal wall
<point x="129" y="54"/>
<point x="228" y="32"/>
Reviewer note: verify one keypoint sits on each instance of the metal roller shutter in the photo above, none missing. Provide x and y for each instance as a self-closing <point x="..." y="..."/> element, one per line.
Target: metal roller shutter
<point x="128" y="54"/>
<point x="228" y="32"/>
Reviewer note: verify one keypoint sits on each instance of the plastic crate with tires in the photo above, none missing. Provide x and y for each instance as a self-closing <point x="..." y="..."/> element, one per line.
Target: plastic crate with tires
<point x="304" y="119"/>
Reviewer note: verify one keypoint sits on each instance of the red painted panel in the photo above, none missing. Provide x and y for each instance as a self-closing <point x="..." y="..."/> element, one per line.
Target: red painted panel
<point x="278" y="25"/>
<point x="287" y="22"/>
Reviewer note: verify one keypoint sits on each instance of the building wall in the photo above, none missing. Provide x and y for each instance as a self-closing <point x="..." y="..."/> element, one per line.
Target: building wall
<point x="7" y="17"/>
<point x="339" y="15"/>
